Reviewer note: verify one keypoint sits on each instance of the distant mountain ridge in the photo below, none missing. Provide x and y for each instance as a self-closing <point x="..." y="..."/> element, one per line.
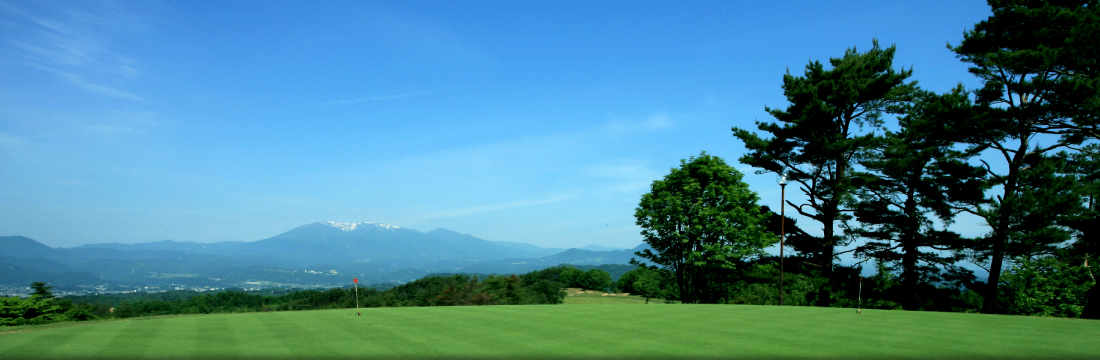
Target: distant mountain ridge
<point x="317" y="253"/>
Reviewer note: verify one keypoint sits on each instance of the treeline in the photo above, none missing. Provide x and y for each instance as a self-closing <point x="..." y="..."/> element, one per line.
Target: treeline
<point x="884" y="168"/>
<point x="538" y="287"/>
<point x="42" y="307"/>
<point x="1046" y="272"/>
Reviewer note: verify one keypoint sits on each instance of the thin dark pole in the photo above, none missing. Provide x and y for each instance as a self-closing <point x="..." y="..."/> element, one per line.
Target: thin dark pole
<point x="782" y="235"/>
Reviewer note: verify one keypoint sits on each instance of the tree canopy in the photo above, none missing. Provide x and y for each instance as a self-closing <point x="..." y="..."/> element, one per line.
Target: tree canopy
<point x="1037" y="63"/>
<point x="699" y="219"/>
<point x="818" y="136"/>
<point x="914" y="177"/>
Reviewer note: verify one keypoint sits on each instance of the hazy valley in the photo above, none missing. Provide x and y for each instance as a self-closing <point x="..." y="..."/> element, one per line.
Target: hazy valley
<point x="322" y="254"/>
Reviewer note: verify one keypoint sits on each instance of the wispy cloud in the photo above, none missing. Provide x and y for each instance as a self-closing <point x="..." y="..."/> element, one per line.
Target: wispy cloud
<point x="110" y="129"/>
<point x="652" y="123"/>
<point x="504" y="206"/>
<point x="81" y="82"/>
<point x="75" y="45"/>
<point x="8" y="141"/>
<point x="624" y="175"/>
<point x="659" y="121"/>
<point x="381" y="97"/>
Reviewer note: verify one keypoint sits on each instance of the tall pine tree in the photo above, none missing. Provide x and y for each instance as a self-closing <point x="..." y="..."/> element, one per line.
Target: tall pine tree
<point x="915" y="176"/>
<point x="1038" y="64"/>
<point x="1085" y="165"/>
<point x="829" y="123"/>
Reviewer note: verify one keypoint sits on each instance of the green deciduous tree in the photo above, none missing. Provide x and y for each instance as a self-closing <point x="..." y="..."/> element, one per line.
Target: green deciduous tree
<point x="596" y="279"/>
<point x="626" y="281"/>
<point x="506" y="290"/>
<point x="700" y="219"/>
<point x="818" y="137"/>
<point x="1037" y="61"/>
<point x="545" y="286"/>
<point x="648" y="285"/>
<point x="1045" y="286"/>
<point x="572" y="277"/>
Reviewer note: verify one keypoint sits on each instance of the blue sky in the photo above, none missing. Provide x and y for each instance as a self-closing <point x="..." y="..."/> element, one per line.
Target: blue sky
<point x="537" y="122"/>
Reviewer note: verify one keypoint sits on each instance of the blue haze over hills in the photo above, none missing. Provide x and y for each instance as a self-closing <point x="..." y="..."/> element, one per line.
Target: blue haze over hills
<point x="318" y="254"/>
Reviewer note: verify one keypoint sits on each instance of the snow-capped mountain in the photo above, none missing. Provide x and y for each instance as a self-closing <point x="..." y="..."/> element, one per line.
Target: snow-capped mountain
<point x="366" y="225"/>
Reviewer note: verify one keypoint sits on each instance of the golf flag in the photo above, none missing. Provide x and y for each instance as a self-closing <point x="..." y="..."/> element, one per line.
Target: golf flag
<point x="356" y="281"/>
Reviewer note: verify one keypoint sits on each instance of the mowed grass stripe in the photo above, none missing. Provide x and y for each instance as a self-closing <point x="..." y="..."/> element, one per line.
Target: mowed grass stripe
<point x="219" y="331"/>
<point x="65" y="342"/>
<point x="273" y="336"/>
<point x="595" y="331"/>
<point x="544" y="333"/>
<point x="131" y="338"/>
<point x="373" y="336"/>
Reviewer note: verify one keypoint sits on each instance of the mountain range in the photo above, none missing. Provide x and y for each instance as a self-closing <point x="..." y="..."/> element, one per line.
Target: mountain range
<point x="317" y="254"/>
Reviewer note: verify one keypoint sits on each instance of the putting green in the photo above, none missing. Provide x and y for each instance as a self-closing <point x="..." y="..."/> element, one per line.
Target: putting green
<point x="549" y="331"/>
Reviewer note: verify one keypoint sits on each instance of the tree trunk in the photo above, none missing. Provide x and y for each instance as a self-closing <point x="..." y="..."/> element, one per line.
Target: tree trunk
<point x="1000" y="234"/>
<point x="909" y="300"/>
<point x="829" y="215"/>
<point x="909" y="248"/>
<point x="682" y="281"/>
<point x="1092" y="303"/>
<point x="825" y="259"/>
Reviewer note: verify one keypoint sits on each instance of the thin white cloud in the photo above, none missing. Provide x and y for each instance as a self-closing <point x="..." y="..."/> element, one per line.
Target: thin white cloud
<point x="8" y="141"/>
<point x="381" y="97"/>
<point x="431" y="37"/>
<point x="75" y="45"/>
<point x="624" y="169"/>
<point x="624" y="175"/>
<point x="110" y="129"/>
<point x="504" y="206"/>
<point x="653" y="123"/>
<point x="100" y="89"/>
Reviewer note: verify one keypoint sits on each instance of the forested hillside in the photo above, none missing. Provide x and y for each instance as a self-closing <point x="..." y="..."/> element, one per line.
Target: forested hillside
<point x="538" y="287"/>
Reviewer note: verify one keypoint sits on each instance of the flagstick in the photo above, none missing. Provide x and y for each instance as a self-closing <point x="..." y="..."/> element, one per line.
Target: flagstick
<point x="859" y="297"/>
<point x="356" y="281"/>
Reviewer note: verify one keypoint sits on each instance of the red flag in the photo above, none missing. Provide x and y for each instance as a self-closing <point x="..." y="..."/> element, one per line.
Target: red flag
<point x="356" y="280"/>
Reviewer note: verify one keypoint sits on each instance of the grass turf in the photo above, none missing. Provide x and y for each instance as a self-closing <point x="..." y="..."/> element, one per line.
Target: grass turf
<point x="596" y="331"/>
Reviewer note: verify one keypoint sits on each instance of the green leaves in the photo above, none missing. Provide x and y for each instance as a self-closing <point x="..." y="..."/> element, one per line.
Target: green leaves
<point x="32" y="310"/>
<point x="1038" y="64"/>
<point x="827" y="109"/>
<point x="1045" y="286"/>
<point x="40" y="289"/>
<point x="1040" y="58"/>
<point x="700" y="218"/>
<point x="913" y="176"/>
<point x="829" y="124"/>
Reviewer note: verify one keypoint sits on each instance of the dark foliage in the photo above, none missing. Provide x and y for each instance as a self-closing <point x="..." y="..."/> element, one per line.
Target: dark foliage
<point x="538" y="287"/>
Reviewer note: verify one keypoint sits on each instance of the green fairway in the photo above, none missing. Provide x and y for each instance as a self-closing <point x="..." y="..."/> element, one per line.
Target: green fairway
<point x="549" y="331"/>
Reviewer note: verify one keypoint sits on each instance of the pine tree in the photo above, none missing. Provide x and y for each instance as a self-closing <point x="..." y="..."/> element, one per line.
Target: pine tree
<point x="1038" y="64"/>
<point x="917" y="175"/>
<point x="817" y="138"/>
